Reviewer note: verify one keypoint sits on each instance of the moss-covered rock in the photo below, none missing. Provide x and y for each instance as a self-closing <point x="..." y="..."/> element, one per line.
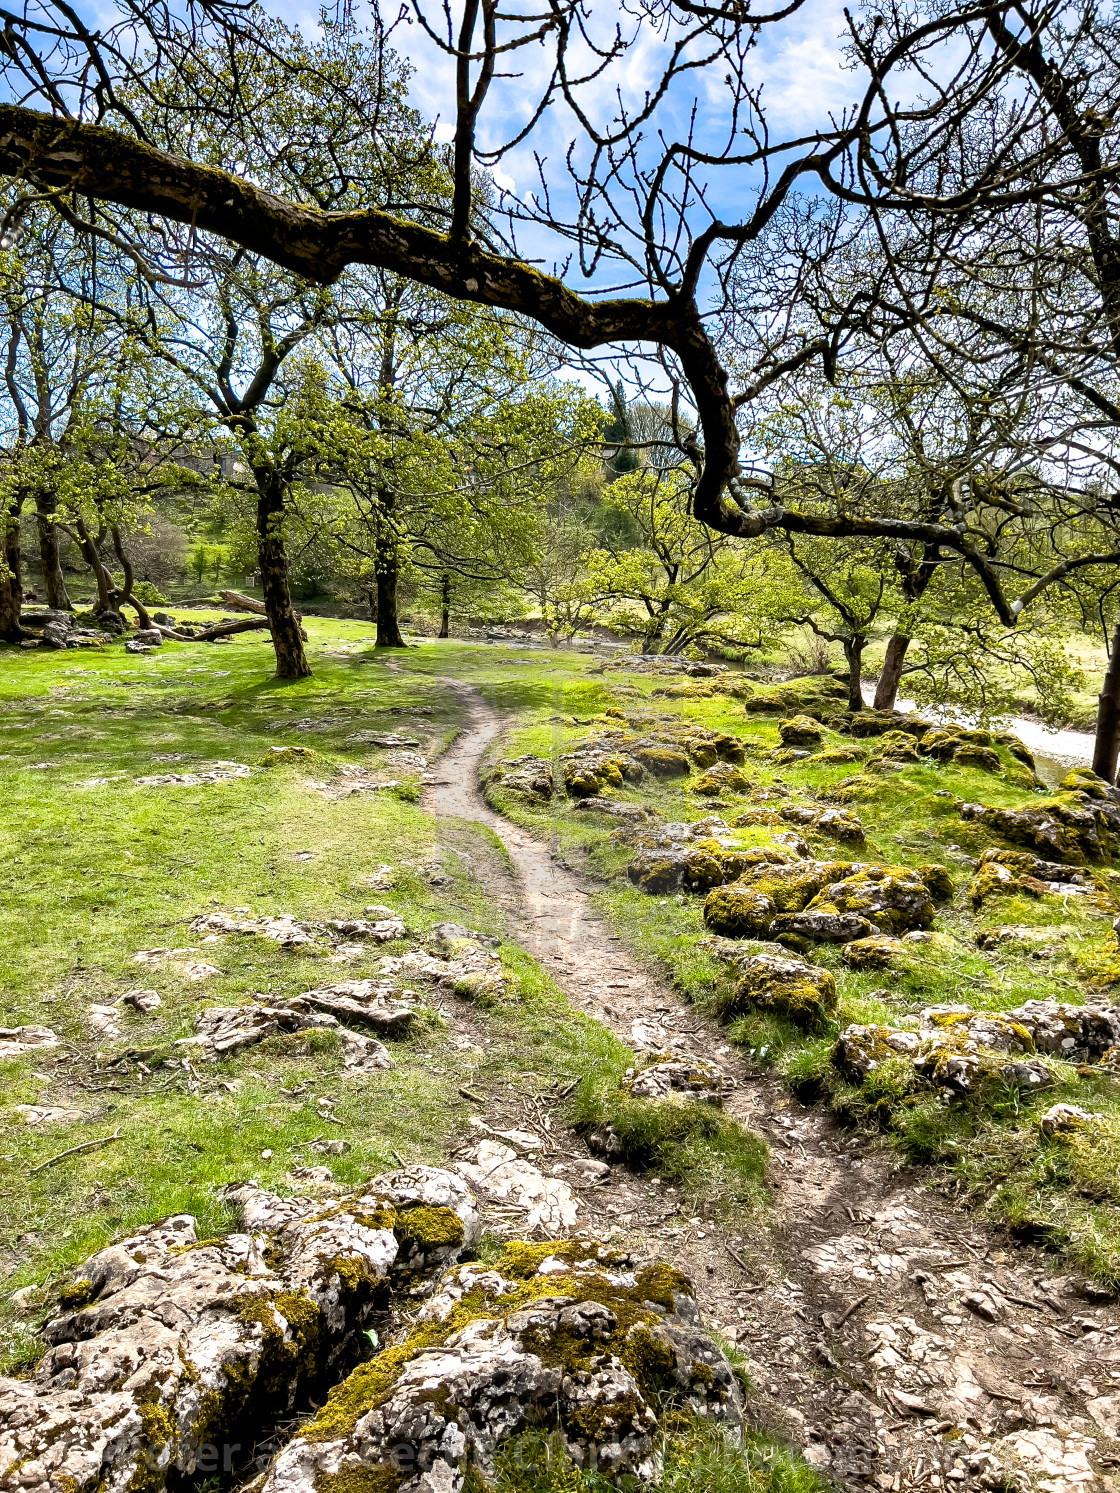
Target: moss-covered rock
<point x="800" y="992"/>
<point x="981" y="757"/>
<point x="738" y="911"/>
<point x="1085" y="780"/>
<point x="938" y="880"/>
<point x="838" y="755"/>
<point x="868" y="723"/>
<point x="724" y="777"/>
<point x="860" y="1050"/>
<point x="527" y="776"/>
<point x="286" y="756"/>
<point x="663" y="761"/>
<point x="894" y="897"/>
<point x="838" y="824"/>
<point x="792" y="886"/>
<point x="1068" y="827"/>
<point x="571" y="1338"/>
<point x="819" y="927"/>
<point x="800" y="731"/>
<point x="657" y="870"/>
<point x="895" y="746"/>
<point x="784" y="755"/>
<point x="879" y="951"/>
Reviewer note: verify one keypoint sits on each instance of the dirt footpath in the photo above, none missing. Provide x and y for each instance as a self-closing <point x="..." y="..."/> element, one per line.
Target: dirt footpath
<point x="901" y="1344"/>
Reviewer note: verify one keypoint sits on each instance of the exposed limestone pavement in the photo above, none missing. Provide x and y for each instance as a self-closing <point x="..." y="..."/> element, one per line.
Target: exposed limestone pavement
<point x="900" y="1343"/>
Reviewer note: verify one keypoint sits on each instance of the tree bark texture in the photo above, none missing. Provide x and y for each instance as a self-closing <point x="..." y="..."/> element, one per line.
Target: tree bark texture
<point x="886" y="691"/>
<point x="272" y="559"/>
<point x="1106" y="744"/>
<point x="445" y="604"/>
<point x="11" y="578"/>
<point x="853" y="657"/>
<point x="46" y="507"/>
<point x="388" y="628"/>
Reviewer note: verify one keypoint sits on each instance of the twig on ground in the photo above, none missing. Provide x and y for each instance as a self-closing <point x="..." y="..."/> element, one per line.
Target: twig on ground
<point x="472" y="1096"/>
<point x="87" y="1145"/>
<point x="855" y="1306"/>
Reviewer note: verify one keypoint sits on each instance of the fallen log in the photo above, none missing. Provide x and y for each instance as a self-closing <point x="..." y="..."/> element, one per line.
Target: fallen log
<point x="237" y="601"/>
<point x="219" y="630"/>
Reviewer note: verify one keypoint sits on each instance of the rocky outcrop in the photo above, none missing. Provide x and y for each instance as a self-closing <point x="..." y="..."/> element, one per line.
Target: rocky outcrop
<point x="221" y="1030"/>
<point x="591" y="771"/>
<point x="800" y="731"/>
<point x="527" y="777"/>
<point x="1005" y="872"/>
<point x="16" y="1040"/>
<point x="1071" y="827"/>
<point x="724" y="777"/>
<point x="171" y="1350"/>
<point x="747" y="907"/>
<point x="574" y="1338"/>
<point x="963" y="1051"/>
<point x="822" y="927"/>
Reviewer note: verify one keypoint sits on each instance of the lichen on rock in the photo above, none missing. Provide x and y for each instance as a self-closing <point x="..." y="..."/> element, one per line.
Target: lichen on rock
<point x="894" y="897"/>
<point x="801" y="992"/>
<point x="169" y="1343"/>
<point x="574" y="1338"/>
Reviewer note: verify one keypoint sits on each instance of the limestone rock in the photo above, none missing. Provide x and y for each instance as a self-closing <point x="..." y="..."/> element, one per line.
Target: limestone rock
<point x="472" y="971"/>
<point x="724" y="777"/>
<point x="1069" y="827"/>
<point x="1070" y="1032"/>
<point x="696" y="1079"/>
<point x="142" y="1000"/>
<point x="168" y="1344"/>
<point x="16" y="1040"/>
<point x="220" y="1030"/>
<point x="581" y="1341"/>
<point x="860" y="1050"/>
<point x="662" y="760"/>
<point x="1009" y="871"/>
<point x="528" y="777"/>
<point x="789" y="987"/>
<point x="378" y="930"/>
<point x="1065" y="1119"/>
<point x="877" y="952"/>
<point x="738" y="911"/>
<point x="894" y="897"/>
<point x="282" y="929"/>
<point x="822" y="927"/>
<point x="895" y="746"/>
<point x="590" y="771"/>
<point x="495" y="1170"/>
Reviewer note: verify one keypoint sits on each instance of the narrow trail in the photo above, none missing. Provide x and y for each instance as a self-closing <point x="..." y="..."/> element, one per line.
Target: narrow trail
<point x="893" y="1338"/>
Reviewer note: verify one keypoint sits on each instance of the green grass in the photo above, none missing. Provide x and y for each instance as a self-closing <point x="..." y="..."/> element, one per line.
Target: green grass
<point x="988" y="1153"/>
<point x="89" y="876"/>
<point x="700" y="1456"/>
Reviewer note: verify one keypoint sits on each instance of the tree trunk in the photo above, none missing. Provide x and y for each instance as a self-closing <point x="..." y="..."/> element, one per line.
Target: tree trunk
<point x="853" y="657"/>
<point x="291" y="661"/>
<point x="89" y="548"/>
<point x="388" y="629"/>
<point x="11" y="578"/>
<point x="886" y="691"/>
<point x="1106" y="744"/>
<point x="445" y="613"/>
<point x="371" y="602"/>
<point x="46" y="507"/>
